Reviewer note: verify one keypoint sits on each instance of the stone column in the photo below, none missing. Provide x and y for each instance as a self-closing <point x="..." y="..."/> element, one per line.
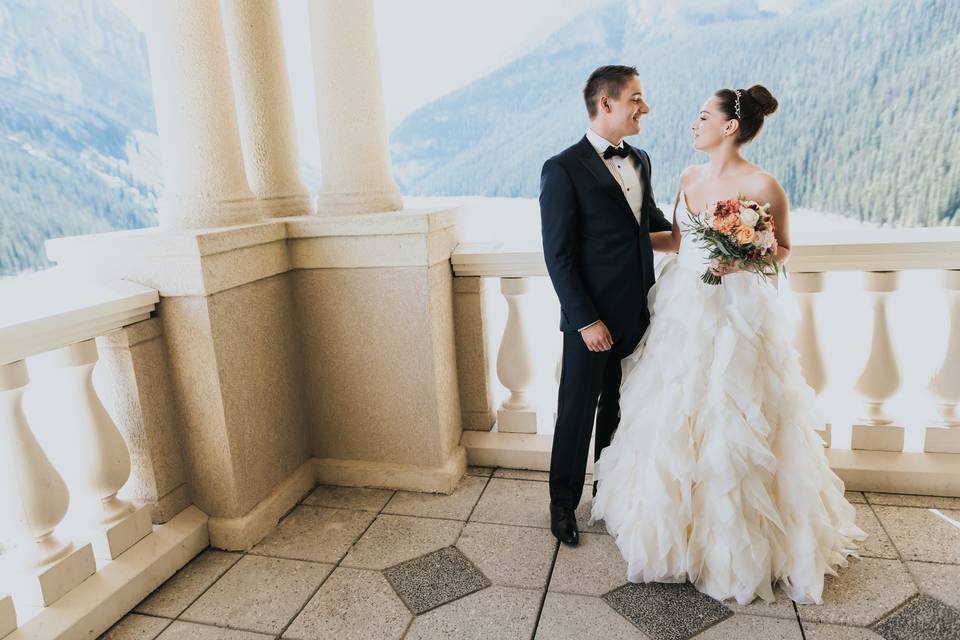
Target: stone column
<point x="355" y="164"/>
<point x="205" y="184"/>
<point x="262" y="87"/>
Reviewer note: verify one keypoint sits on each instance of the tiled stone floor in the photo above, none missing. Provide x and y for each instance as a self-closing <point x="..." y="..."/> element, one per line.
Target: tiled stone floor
<point x="481" y="563"/>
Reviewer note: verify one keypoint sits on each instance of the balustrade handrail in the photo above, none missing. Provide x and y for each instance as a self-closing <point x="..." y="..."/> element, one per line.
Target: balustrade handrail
<point x="813" y="252"/>
<point x="50" y="309"/>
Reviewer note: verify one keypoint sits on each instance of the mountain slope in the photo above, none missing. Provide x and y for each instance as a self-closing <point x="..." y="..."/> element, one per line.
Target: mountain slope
<point x="77" y="130"/>
<point x="867" y="125"/>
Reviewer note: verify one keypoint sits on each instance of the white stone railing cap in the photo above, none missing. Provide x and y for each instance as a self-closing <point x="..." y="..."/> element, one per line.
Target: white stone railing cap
<point x="855" y="250"/>
<point x="50" y="309"/>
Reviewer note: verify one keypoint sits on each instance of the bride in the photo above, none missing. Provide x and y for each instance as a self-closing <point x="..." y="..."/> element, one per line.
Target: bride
<point x="715" y="474"/>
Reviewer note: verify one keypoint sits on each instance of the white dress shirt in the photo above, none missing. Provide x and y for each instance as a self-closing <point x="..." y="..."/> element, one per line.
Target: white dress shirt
<point x="625" y="171"/>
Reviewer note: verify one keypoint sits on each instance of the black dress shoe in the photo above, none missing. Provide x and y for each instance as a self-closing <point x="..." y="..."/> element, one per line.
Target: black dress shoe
<point x="563" y="524"/>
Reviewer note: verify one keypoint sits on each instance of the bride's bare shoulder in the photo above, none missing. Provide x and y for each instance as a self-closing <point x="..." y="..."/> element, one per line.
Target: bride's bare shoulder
<point x="763" y="186"/>
<point x="690" y="175"/>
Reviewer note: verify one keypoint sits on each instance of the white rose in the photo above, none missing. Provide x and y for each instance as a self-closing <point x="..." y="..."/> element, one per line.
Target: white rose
<point x="765" y="239"/>
<point x="748" y="217"/>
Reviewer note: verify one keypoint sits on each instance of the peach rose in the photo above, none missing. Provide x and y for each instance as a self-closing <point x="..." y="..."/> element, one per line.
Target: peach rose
<point x="726" y="224"/>
<point x="745" y="234"/>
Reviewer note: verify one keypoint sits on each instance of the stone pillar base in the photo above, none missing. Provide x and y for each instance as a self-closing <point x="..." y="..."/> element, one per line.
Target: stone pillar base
<point x="8" y="616"/>
<point x="872" y="437"/>
<point x="296" y="204"/>
<point x="942" y="440"/>
<point x="337" y="204"/>
<point x="406" y="477"/>
<point x="44" y="586"/>
<point x="516" y="421"/>
<point x="109" y="542"/>
<point x="240" y="534"/>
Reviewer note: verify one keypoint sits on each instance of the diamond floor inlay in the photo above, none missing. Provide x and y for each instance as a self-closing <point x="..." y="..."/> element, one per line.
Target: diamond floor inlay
<point x="667" y="611"/>
<point x="429" y="581"/>
<point x="923" y="618"/>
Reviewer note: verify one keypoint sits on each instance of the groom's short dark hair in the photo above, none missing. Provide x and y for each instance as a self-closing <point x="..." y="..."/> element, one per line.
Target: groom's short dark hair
<point x="609" y="79"/>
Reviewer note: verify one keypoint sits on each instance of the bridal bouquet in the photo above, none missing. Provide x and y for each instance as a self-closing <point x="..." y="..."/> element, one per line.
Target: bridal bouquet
<point x="737" y="231"/>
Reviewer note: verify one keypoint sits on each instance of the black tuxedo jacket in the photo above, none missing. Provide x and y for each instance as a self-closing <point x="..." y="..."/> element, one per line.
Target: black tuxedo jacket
<point x="598" y="256"/>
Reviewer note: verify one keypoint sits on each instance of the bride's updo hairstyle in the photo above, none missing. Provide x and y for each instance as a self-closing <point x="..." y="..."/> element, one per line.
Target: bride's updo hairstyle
<point x="750" y="108"/>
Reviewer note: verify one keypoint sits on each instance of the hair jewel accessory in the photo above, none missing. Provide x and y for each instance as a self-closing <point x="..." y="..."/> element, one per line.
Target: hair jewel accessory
<point x="736" y="103"/>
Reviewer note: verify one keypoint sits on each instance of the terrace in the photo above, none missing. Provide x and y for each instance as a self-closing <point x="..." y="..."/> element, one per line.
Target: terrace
<point x="301" y="415"/>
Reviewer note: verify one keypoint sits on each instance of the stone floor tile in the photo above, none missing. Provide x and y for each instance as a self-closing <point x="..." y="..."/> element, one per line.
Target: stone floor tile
<point x="942" y="581"/>
<point x="352" y="604"/>
<point x="494" y="613"/>
<point x="180" y="630"/>
<point x="510" y="556"/>
<point x="136" y="627"/>
<point x="522" y="474"/>
<point x="923" y="618"/>
<point x="393" y="539"/>
<point x="568" y="616"/>
<point x="862" y="593"/>
<point x="815" y="631"/>
<point x="429" y="581"/>
<point x="483" y="472"/>
<point x="258" y="594"/>
<point x="782" y="607"/>
<point x="520" y="502"/>
<point x="185" y="586"/>
<point x="317" y="534"/>
<point x="856" y="497"/>
<point x="358" y="498"/>
<point x="457" y="505"/>
<point x="583" y="513"/>
<point x="877" y="544"/>
<point x="904" y="500"/>
<point x="742" y="627"/>
<point x="667" y="611"/>
<point x="592" y="568"/>
<point x="920" y="534"/>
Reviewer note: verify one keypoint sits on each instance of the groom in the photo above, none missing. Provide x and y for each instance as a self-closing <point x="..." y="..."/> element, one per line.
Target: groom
<point x="597" y="210"/>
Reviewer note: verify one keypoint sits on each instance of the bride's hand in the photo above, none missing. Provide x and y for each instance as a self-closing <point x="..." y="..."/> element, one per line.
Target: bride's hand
<point x="719" y="267"/>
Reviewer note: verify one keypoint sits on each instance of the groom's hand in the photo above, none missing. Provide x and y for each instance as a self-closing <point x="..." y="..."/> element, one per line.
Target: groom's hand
<point x="597" y="337"/>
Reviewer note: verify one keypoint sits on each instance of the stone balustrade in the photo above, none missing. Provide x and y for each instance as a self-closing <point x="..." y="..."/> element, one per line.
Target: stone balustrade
<point x="62" y="458"/>
<point x="876" y="458"/>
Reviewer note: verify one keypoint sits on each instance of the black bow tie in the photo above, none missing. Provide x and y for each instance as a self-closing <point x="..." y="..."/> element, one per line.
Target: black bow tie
<point x="611" y="151"/>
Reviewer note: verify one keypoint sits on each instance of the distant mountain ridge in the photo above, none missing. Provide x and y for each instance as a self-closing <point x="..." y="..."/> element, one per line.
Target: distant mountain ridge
<point x="867" y="126"/>
<point x="77" y="126"/>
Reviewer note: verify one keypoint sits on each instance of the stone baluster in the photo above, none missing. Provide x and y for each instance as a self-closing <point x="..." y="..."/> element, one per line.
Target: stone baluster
<point x="806" y="287"/>
<point x="515" y="362"/>
<point x="45" y="569"/>
<point x="880" y="378"/>
<point x="945" y="384"/>
<point x="98" y="462"/>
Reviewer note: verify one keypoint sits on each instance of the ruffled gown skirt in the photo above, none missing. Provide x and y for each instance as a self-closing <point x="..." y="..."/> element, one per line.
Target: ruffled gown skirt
<point x="715" y="474"/>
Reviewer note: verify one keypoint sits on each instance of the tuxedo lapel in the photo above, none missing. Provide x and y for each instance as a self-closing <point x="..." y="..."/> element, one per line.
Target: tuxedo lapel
<point x="595" y="166"/>
<point x="644" y="167"/>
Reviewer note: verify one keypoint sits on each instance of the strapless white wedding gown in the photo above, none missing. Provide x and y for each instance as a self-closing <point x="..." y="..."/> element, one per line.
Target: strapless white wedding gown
<point x="715" y="474"/>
